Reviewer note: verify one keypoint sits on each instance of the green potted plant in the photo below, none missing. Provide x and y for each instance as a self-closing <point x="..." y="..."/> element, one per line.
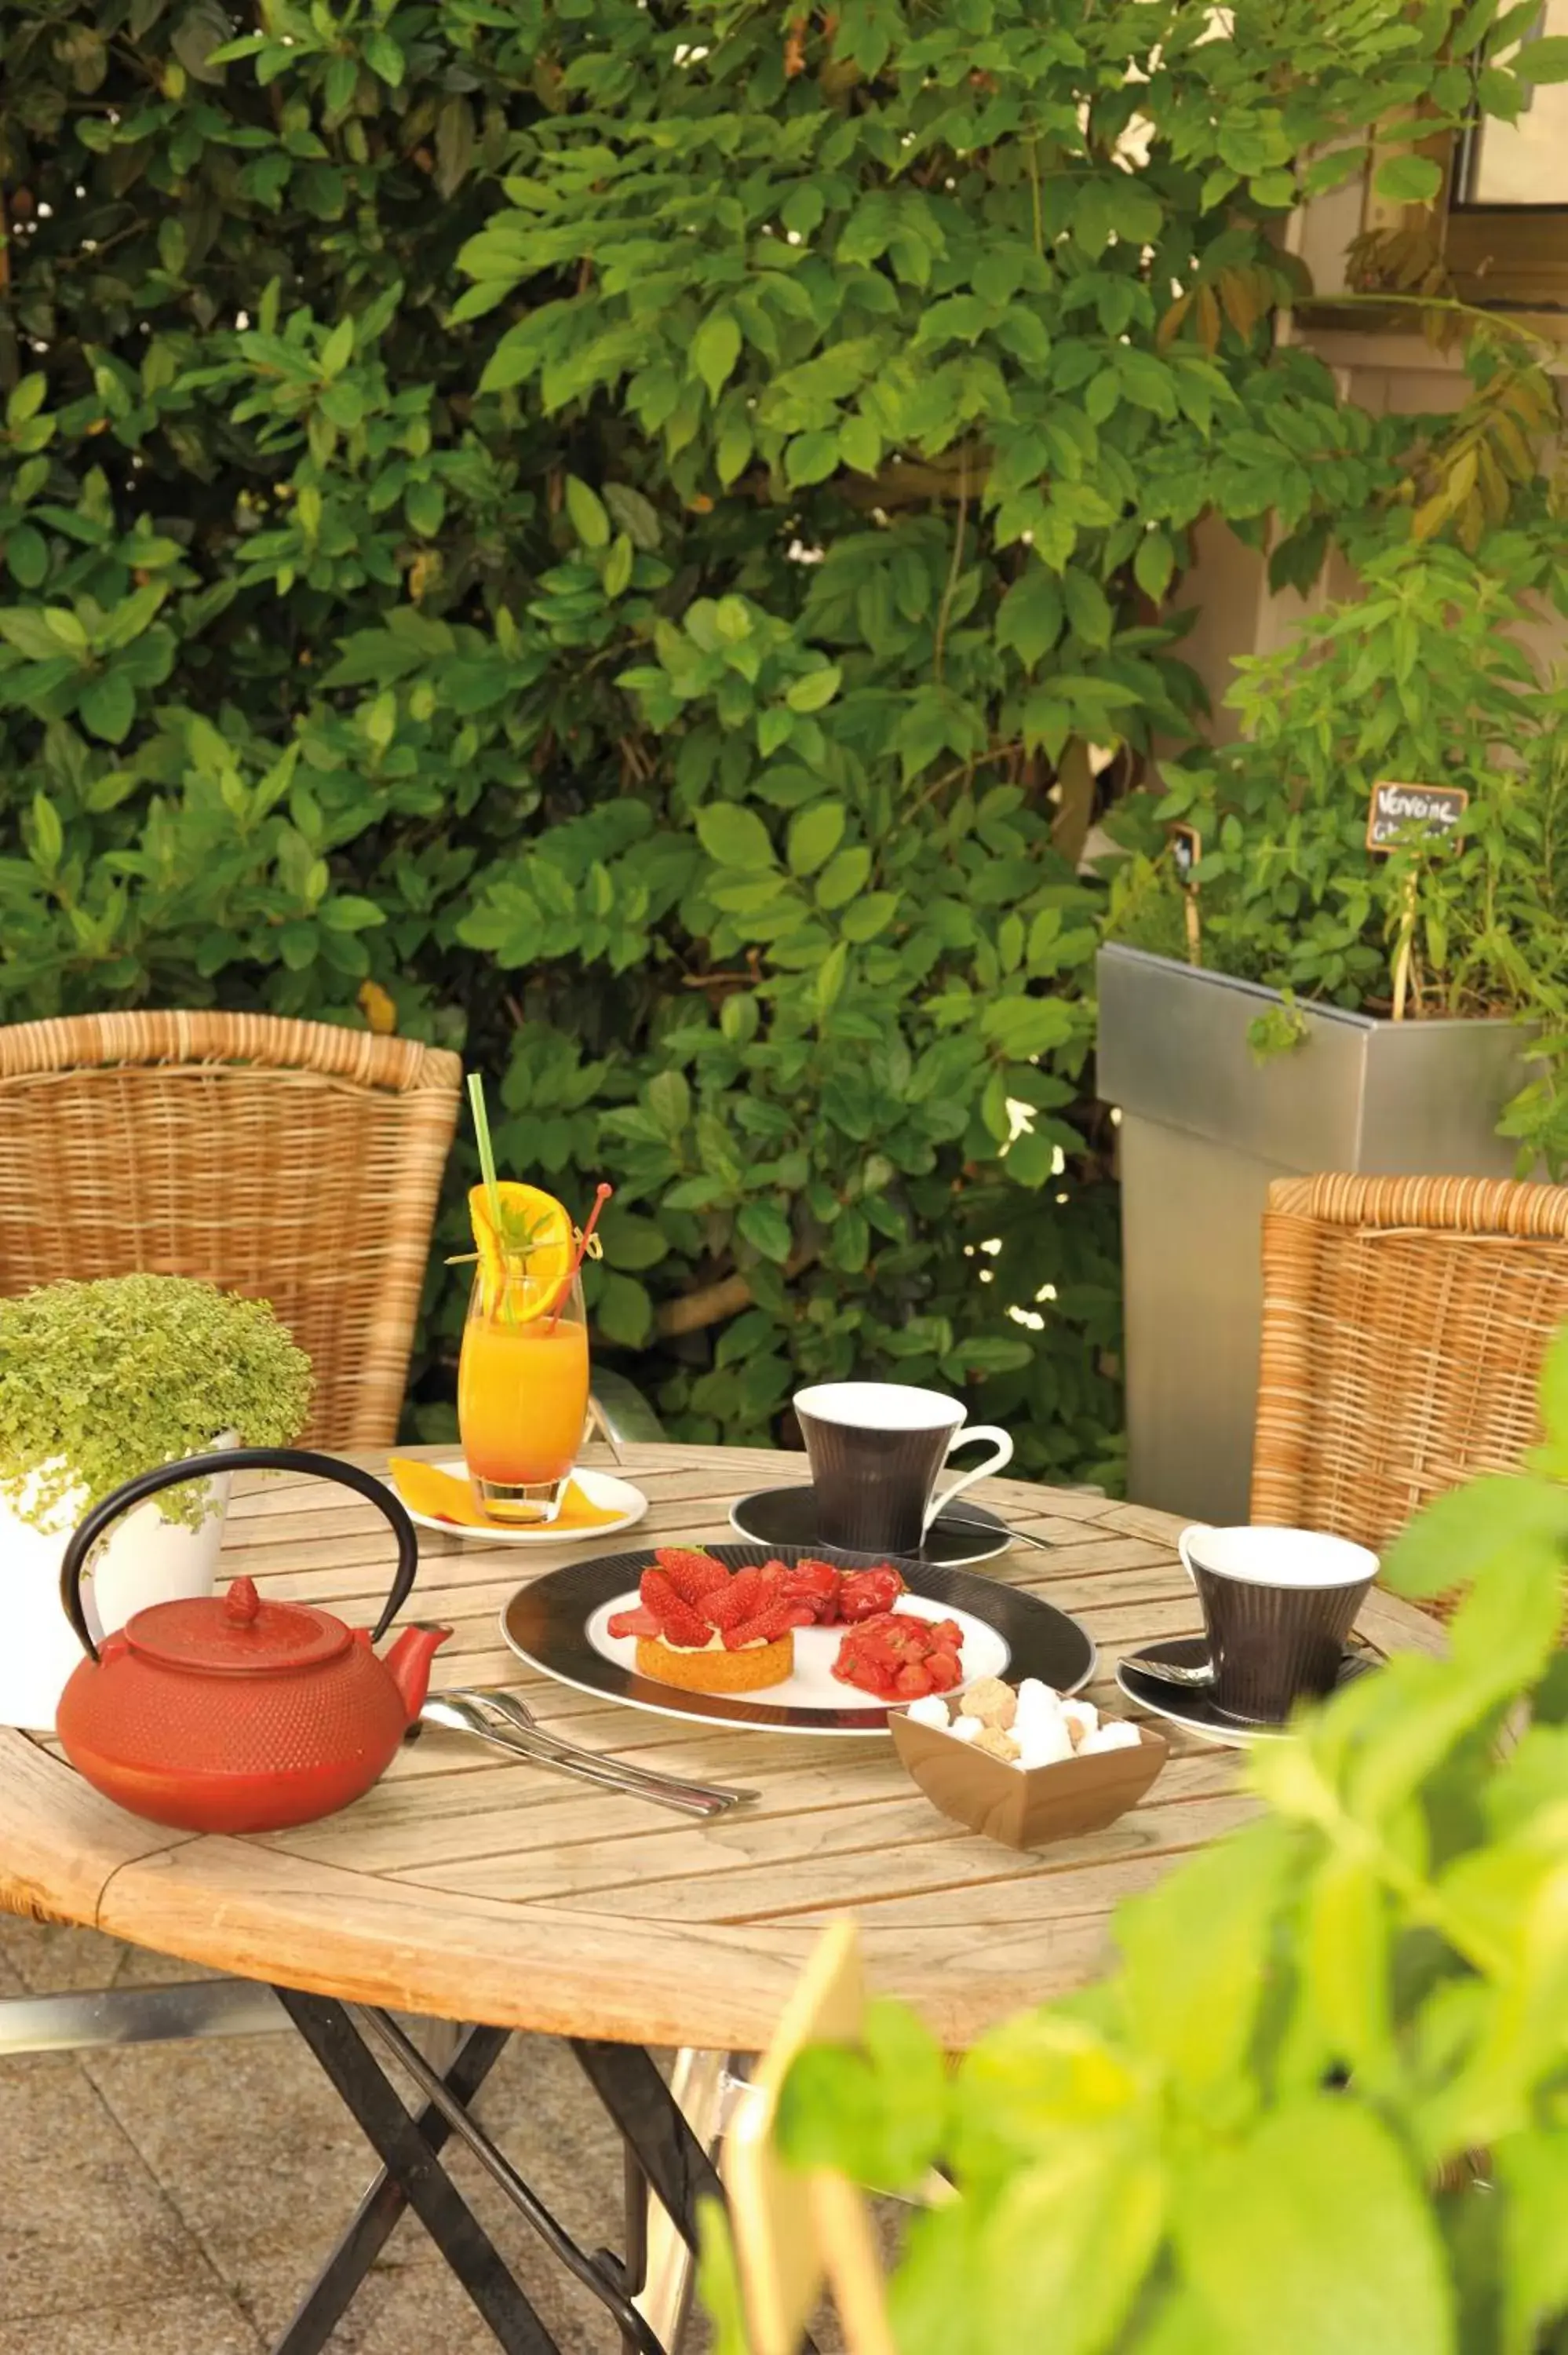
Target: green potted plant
<point x="98" y="1382"/>
<point x="1318" y="2104"/>
<point x="1302" y="998"/>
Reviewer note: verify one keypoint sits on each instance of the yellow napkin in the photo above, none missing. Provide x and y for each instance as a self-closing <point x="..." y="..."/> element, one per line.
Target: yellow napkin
<point x="442" y="1497"/>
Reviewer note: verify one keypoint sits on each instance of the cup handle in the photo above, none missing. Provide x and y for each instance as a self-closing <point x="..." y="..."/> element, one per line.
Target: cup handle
<point x="1002" y="1454"/>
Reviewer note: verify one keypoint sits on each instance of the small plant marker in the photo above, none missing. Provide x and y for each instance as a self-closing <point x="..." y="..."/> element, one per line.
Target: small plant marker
<point x="793" y="2230"/>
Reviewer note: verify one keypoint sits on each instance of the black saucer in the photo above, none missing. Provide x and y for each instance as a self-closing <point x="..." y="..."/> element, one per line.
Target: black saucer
<point x="1189" y="1707"/>
<point x="788" y="1516"/>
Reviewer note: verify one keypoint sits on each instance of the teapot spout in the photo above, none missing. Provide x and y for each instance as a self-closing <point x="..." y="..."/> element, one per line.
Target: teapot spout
<point x="409" y="1662"/>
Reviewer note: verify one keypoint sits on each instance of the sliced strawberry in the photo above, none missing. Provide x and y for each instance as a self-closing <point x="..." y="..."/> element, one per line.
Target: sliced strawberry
<point x="944" y="1669"/>
<point x="739" y="1598"/>
<point x="639" y="1622"/>
<point x="690" y="1571"/>
<point x="766" y="1628"/>
<point x="866" y="1594"/>
<point x="912" y="1682"/>
<point x="815" y="1583"/>
<point x="678" y="1622"/>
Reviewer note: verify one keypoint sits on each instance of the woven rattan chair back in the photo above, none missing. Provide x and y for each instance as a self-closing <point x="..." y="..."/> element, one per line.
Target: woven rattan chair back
<point x="1404" y="1320"/>
<point x="293" y="1161"/>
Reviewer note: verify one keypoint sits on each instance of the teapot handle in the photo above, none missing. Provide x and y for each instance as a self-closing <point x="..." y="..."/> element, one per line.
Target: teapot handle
<point x="237" y="1459"/>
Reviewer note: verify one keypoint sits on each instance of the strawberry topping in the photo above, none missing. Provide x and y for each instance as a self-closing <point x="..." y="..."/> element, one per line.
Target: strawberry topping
<point x="691" y="1573"/>
<point x="687" y="1597"/>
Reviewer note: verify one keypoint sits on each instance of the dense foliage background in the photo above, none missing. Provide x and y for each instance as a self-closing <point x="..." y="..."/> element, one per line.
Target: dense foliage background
<point x="637" y="539"/>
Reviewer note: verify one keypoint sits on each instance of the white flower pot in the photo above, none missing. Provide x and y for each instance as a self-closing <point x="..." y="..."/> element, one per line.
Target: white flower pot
<point x="143" y="1559"/>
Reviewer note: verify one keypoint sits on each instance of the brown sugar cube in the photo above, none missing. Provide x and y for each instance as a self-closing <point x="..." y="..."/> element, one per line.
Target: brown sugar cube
<point x="994" y="1703"/>
<point x="996" y="1744"/>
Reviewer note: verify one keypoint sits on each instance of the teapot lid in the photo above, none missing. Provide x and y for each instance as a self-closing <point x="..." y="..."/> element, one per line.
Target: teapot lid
<point x="236" y="1633"/>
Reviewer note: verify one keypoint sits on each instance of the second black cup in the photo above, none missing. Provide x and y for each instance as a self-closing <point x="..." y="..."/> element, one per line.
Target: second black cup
<point x="875" y="1449"/>
<point x="1279" y="1605"/>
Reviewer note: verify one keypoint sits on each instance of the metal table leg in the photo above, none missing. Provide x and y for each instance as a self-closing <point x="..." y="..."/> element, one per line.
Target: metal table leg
<point x="327" y="2301"/>
<point x="414" y="2166"/>
<point x="663" y="2157"/>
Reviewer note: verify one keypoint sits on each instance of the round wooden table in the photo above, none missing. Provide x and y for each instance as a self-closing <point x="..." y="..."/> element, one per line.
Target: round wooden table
<point x="489" y="1891"/>
<point x="471" y="1887"/>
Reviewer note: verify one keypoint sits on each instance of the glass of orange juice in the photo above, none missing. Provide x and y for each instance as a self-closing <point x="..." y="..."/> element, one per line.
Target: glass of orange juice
<point x="523" y="1391"/>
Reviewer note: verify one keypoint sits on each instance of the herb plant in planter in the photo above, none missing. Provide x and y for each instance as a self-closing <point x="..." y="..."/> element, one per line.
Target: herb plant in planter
<point x="1319" y="2103"/>
<point x="1303" y="1000"/>
<point x="99" y="1381"/>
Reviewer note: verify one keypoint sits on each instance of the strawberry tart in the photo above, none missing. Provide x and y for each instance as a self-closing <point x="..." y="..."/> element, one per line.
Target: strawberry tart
<point x="709" y="1629"/>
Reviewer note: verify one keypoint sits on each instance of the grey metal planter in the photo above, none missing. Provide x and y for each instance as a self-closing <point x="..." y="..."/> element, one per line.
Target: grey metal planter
<point x="1204" y="1129"/>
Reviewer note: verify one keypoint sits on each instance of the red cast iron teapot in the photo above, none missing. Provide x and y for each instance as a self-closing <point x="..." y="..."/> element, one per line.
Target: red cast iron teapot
<point x="223" y="1713"/>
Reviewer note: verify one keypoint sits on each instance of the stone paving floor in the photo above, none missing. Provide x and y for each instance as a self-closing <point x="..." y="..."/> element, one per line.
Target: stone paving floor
<point x="177" y="2199"/>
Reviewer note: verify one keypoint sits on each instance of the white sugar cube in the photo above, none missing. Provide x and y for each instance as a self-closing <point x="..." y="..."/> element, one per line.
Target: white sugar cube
<point x="967" y="1728"/>
<point x="1117" y="1735"/>
<point x="1081" y="1718"/>
<point x="1045" y="1744"/>
<point x="931" y="1709"/>
<point x="1034" y="1695"/>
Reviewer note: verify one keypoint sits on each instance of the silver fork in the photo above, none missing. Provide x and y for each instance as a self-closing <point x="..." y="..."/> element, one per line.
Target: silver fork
<point x="509" y="1724"/>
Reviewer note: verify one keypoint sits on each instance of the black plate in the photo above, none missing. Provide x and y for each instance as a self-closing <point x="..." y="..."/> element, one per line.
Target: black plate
<point x="788" y="1516"/>
<point x="1194" y="1709"/>
<point x="545" y="1622"/>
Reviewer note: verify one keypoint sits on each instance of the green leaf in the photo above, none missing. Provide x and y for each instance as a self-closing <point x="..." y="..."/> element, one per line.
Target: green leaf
<point x="1088" y="608"/>
<point x="32" y="632"/>
<point x="1313" y="2234"/>
<point x="734" y="836"/>
<point x="766" y="1229"/>
<point x="1414" y="179"/>
<point x="588" y="514"/>
<point x="715" y="347"/>
<point x="107" y="707"/>
<point x="338" y="349"/>
<point x="670" y="1101"/>
<point x="831" y="978"/>
<point x="814" y="836"/>
<point x="26" y="555"/>
<point x="629" y="1241"/>
<point x="813" y="690"/>
<point x="622" y="1310"/>
<point x="1153" y="562"/>
<point x="27" y="398"/>
<point x="1543" y="60"/>
<point x="48" y="835"/>
<point x="383" y="56"/>
<point x="843" y="876"/>
<point x="811" y="458"/>
<point x="869" y="916"/>
<point x="1031" y="614"/>
<point x="618" y="564"/>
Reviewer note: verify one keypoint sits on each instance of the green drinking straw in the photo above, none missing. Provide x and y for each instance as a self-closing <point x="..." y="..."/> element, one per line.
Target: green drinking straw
<point x="487" y="1157"/>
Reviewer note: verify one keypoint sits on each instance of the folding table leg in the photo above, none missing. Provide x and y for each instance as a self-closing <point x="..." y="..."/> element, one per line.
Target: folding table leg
<point x="327" y="2301"/>
<point x="408" y="2159"/>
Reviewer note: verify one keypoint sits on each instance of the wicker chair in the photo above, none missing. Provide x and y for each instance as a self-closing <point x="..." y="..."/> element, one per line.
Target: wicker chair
<point x="293" y="1161"/>
<point x="1404" y="1320"/>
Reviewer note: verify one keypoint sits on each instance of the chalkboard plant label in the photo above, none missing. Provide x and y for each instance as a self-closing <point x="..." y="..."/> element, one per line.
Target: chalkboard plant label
<point x="1395" y="808"/>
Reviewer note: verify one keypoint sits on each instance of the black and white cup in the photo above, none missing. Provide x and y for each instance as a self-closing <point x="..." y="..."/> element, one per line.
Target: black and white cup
<point x="1278" y="1606"/>
<point x="876" y="1450"/>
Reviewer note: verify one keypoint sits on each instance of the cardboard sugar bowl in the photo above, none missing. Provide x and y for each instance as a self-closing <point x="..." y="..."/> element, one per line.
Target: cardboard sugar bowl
<point x="1025" y="1766"/>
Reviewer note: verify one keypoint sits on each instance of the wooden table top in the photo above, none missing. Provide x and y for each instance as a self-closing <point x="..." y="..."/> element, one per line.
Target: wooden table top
<point x="473" y="1887"/>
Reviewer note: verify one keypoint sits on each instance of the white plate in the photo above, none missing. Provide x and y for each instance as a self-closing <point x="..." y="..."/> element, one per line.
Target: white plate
<point x="601" y="1489"/>
<point x="813" y="1684"/>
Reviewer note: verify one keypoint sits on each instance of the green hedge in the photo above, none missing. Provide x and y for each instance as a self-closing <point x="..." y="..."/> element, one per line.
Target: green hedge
<point x="604" y="533"/>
